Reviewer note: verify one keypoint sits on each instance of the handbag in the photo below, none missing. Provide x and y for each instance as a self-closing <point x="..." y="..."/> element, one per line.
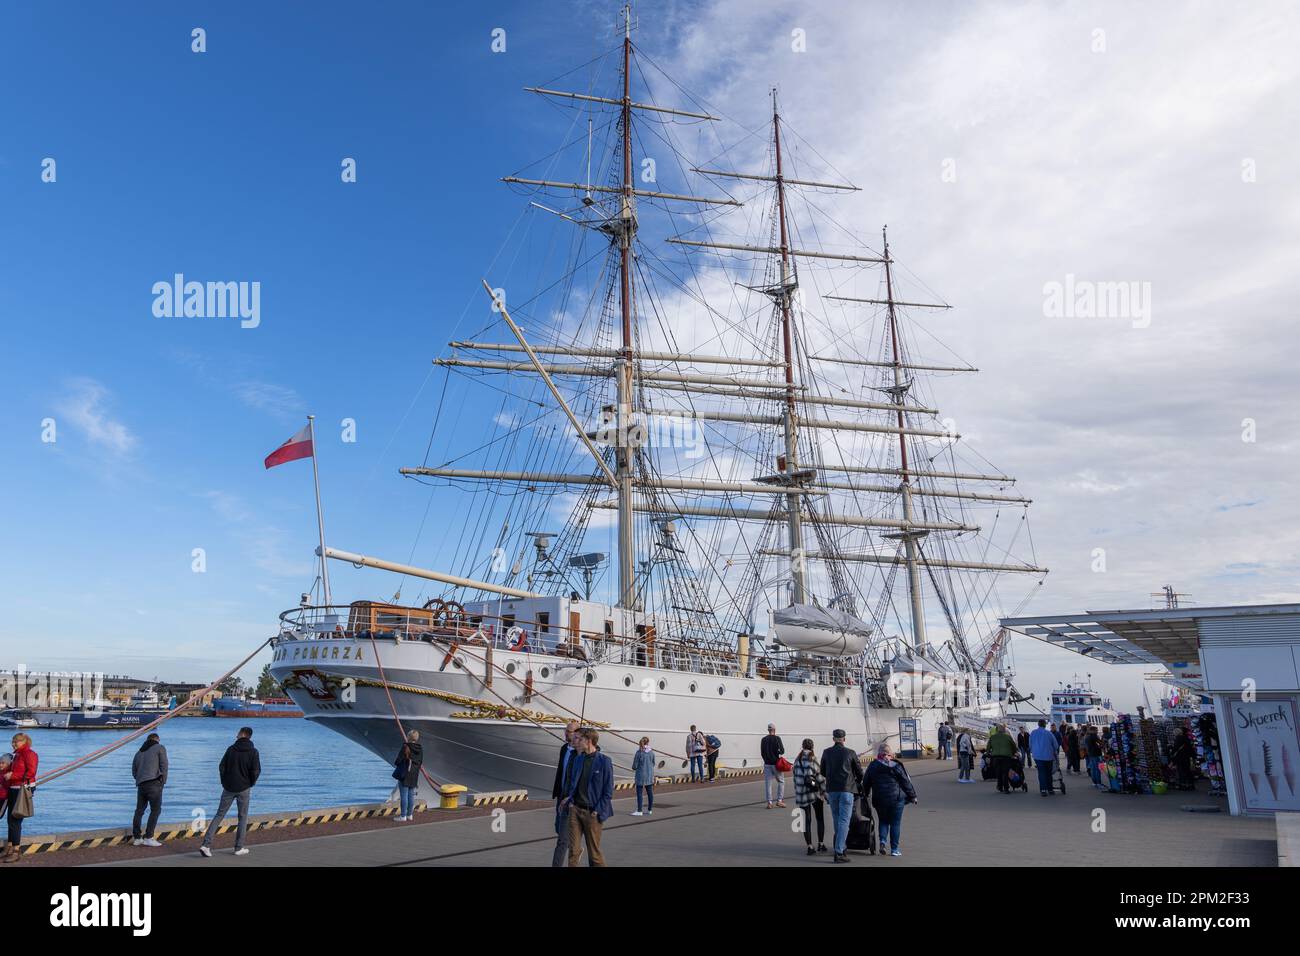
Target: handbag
<point x="783" y="765"/>
<point x="23" y="806"/>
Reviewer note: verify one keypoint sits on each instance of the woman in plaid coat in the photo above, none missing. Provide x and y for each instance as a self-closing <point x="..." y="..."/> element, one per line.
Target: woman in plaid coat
<point x="809" y="795"/>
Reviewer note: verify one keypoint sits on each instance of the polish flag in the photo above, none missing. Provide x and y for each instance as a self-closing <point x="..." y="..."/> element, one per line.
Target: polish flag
<point x="299" y="446"/>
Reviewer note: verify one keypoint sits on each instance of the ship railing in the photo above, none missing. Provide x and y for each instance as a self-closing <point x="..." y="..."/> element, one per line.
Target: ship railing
<point x="651" y="649"/>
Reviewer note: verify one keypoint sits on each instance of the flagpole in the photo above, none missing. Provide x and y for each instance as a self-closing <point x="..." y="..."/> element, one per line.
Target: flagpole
<point x="320" y="515"/>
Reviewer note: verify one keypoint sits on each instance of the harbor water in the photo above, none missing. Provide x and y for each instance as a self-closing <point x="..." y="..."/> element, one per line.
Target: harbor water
<point x="303" y="767"/>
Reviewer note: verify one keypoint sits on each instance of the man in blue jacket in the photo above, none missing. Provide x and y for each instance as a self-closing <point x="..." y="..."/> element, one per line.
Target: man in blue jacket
<point x="588" y="797"/>
<point x="1043" y="745"/>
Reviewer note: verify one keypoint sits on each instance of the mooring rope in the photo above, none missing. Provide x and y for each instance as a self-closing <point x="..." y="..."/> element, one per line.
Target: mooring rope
<point x="94" y="755"/>
<point x="393" y="707"/>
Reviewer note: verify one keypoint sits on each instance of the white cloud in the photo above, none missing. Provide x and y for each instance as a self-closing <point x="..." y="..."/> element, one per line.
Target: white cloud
<point x="84" y="406"/>
<point x="278" y="400"/>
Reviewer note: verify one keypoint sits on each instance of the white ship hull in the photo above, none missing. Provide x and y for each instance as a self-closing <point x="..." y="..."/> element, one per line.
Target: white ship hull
<point x="468" y="745"/>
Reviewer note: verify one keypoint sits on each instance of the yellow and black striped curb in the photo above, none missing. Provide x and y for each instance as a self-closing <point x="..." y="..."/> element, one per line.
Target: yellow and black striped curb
<point x="89" y="839"/>
<point x="499" y="796"/>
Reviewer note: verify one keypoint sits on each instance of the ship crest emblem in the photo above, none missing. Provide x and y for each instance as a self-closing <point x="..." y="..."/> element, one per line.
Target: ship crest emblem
<point x="313" y="682"/>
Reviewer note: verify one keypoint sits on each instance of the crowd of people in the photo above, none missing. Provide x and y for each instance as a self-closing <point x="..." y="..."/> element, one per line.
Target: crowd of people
<point x="583" y="790"/>
<point x="1010" y="757"/>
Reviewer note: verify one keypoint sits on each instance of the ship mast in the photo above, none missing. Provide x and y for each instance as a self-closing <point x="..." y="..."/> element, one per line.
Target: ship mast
<point x="623" y="235"/>
<point x="783" y="295"/>
<point x="910" y="536"/>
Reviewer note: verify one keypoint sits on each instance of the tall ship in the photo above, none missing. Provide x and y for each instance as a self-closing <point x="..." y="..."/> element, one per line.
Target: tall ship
<point x="689" y="471"/>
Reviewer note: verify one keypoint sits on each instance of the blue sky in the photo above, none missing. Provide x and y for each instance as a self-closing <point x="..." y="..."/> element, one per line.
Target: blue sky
<point x="226" y="166"/>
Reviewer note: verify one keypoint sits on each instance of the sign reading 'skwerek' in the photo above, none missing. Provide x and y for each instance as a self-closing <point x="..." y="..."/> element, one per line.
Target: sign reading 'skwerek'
<point x="1267" y="749"/>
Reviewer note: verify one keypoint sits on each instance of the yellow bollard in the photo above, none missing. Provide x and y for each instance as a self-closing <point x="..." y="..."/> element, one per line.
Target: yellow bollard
<point x="449" y="796"/>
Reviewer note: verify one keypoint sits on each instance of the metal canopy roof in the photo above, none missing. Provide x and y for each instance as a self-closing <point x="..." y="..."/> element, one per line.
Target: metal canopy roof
<point x="1165" y="636"/>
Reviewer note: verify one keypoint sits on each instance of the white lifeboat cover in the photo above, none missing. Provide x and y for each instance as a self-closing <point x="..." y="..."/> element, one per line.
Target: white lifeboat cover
<point x="820" y="630"/>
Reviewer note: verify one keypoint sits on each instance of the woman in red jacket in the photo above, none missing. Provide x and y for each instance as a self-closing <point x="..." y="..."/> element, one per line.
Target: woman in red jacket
<point x="22" y="771"/>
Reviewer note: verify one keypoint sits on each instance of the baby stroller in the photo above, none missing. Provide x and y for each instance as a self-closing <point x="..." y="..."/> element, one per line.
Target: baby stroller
<point x="986" y="768"/>
<point x="1016" y="775"/>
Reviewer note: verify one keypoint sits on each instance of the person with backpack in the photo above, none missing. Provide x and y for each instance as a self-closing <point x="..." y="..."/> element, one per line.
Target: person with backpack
<point x="695" y="747"/>
<point x="965" y="757"/>
<point x="643" y="773"/>
<point x="712" y="745"/>
<point x="945" y="741"/>
<point x="239" y="769"/>
<point x="407" y="774"/>
<point x="149" y="768"/>
<point x="772" y="749"/>
<point x="889" y="788"/>
<point x="843" y="773"/>
<point x="809" y="796"/>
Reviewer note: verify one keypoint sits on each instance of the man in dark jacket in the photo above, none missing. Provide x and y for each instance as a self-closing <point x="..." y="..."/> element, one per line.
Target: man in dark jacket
<point x="1093" y="748"/>
<point x="149" y="768"/>
<point x="1022" y="744"/>
<point x="239" y="770"/>
<point x="568" y="750"/>
<point x="843" y="773"/>
<point x="1072" y="749"/>
<point x="588" y="796"/>
<point x="771" y="748"/>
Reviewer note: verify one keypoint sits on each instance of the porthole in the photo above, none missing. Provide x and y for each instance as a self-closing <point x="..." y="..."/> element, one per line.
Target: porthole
<point x="745" y="762"/>
<point x="848" y="699"/>
<point x="457" y="662"/>
<point x="789" y="695"/>
<point x="663" y="685"/>
<point x="627" y="680"/>
<point x="693" y="687"/>
<point x="662" y="763"/>
<point x="803" y="698"/>
<point x="510" y="668"/>
<point x="762" y="695"/>
<point x="815" y="700"/>
<point x="546" y="672"/>
<point x="746" y="691"/>
<point x="591" y="676"/>
<point x="722" y="689"/>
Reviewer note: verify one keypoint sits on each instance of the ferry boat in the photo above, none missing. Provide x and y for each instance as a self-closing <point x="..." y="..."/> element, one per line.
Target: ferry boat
<point x="240" y="707"/>
<point x="1075" y="702"/>
<point x="795" y="535"/>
